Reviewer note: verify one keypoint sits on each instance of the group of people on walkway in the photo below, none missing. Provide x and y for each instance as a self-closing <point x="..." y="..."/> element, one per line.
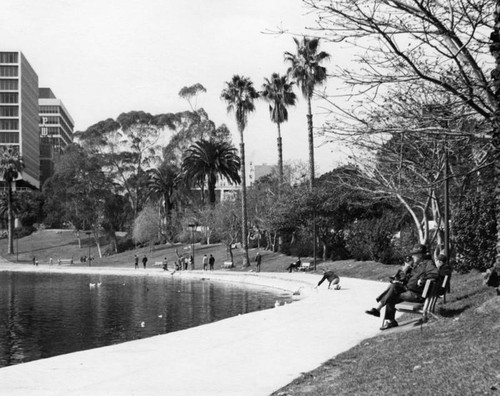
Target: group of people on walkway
<point x="408" y="283"/>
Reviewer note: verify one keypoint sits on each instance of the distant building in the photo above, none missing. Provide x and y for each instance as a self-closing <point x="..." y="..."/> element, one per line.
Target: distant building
<point x="258" y="171"/>
<point x="56" y="131"/>
<point x="19" y="115"/>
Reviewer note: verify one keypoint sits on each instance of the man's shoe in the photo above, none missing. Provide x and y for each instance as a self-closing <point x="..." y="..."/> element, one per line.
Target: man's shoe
<point x="388" y="324"/>
<point x="374" y="312"/>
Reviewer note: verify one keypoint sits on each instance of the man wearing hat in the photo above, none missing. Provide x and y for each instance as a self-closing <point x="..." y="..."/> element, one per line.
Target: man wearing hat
<point x="423" y="269"/>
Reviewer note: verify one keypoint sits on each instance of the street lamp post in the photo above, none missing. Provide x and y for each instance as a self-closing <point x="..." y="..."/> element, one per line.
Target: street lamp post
<point x="192" y="228"/>
<point x="88" y="234"/>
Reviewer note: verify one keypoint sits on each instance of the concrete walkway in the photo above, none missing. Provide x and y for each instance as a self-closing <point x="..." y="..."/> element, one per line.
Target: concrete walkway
<point x="252" y="354"/>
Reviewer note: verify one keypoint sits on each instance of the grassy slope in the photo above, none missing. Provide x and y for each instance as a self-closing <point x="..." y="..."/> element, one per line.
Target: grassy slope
<point x="458" y="354"/>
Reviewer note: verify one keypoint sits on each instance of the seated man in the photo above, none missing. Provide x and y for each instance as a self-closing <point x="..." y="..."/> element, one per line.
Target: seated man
<point x="423" y="269"/>
<point x="294" y="266"/>
<point x="332" y="278"/>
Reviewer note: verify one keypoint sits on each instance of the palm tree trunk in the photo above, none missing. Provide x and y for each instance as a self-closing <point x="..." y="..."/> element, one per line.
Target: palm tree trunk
<point x="10" y="219"/>
<point x="495" y="74"/>
<point x="244" y="227"/>
<point x="311" y="143"/>
<point x="280" y="155"/>
<point x="311" y="171"/>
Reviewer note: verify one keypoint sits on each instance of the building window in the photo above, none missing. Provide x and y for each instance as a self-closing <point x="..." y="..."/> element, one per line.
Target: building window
<point x="8" y="97"/>
<point x="8" y="57"/>
<point x="9" y="137"/>
<point x="9" y="111"/>
<point x="9" y="125"/>
<point x="8" y="71"/>
<point x="9" y="85"/>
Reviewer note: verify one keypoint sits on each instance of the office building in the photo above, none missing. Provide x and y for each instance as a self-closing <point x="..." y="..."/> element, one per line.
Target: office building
<point x="19" y="127"/>
<point x="56" y="131"/>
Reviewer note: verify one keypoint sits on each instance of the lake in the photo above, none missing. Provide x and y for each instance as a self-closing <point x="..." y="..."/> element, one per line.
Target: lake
<point x="44" y="315"/>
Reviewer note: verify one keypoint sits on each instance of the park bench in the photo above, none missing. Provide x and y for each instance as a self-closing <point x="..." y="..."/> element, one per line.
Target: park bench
<point x="227" y="264"/>
<point x="65" y="261"/>
<point x="305" y="267"/>
<point x="158" y="263"/>
<point x="432" y="291"/>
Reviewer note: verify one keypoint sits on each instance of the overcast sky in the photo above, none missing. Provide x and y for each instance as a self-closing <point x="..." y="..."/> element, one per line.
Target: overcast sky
<point x="105" y="57"/>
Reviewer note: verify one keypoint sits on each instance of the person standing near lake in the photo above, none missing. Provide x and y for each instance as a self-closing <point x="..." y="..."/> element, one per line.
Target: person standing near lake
<point x="136" y="261"/>
<point x="144" y="261"/>
<point x="205" y="262"/>
<point x="211" y="261"/>
<point x="258" y="260"/>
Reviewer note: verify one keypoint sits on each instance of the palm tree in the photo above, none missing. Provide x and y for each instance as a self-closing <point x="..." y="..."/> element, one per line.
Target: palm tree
<point x="240" y="95"/>
<point x="278" y="92"/>
<point x="205" y="160"/>
<point x="11" y="164"/>
<point x="307" y="71"/>
<point x="162" y="185"/>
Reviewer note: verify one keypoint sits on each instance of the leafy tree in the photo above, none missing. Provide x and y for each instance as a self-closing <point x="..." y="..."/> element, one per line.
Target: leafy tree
<point x="307" y="71"/>
<point x="146" y="226"/>
<point x="227" y="224"/>
<point x="11" y="165"/>
<point x="240" y="95"/>
<point x="78" y="190"/>
<point x="205" y="161"/>
<point x="438" y="45"/>
<point x="278" y="92"/>
<point x="192" y="91"/>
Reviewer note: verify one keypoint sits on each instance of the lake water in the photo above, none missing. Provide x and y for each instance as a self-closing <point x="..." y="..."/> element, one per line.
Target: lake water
<point x="44" y="315"/>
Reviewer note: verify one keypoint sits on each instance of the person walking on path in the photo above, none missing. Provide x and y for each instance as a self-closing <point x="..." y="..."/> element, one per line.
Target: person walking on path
<point x="258" y="260"/>
<point x="423" y="269"/>
<point x="211" y="261"/>
<point x="332" y="278"/>
<point x="144" y="261"/>
<point x="136" y="261"/>
<point x="205" y="262"/>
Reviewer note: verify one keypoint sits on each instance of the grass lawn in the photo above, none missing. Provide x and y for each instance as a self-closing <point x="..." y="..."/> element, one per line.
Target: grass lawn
<point x="457" y="354"/>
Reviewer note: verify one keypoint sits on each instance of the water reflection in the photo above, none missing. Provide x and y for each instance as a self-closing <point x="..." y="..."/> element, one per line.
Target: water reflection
<point x="43" y="315"/>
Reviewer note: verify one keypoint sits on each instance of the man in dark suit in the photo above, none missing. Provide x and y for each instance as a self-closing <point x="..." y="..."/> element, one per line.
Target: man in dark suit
<point x="423" y="269"/>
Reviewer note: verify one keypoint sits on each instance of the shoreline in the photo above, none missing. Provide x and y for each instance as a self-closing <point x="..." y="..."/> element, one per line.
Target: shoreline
<point x="252" y="354"/>
<point x="299" y="283"/>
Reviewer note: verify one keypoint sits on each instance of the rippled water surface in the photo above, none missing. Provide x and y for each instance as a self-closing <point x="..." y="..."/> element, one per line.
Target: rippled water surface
<point x="43" y="315"/>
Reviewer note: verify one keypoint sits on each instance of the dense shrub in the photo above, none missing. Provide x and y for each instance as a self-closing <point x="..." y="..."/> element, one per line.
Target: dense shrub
<point x="372" y="239"/>
<point x="475" y="231"/>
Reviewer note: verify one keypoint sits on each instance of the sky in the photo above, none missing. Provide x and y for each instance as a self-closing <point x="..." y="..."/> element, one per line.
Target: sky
<point x="105" y="57"/>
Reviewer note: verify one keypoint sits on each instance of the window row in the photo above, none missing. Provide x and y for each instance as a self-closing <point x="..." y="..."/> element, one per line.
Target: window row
<point x="9" y="125"/>
<point x="9" y="137"/>
<point x="9" y="85"/>
<point x="9" y="111"/>
<point x="49" y="109"/>
<point x="9" y="97"/>
<point x="44" y="131"/>
<point x="9" y="71"/>
<point x="44" y="120"/>
<point x="9" y="57"/>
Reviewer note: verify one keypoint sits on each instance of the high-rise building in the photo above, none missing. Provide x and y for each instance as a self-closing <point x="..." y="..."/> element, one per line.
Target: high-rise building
<point x="19" y="115"/>
<point x="56" y="131"/>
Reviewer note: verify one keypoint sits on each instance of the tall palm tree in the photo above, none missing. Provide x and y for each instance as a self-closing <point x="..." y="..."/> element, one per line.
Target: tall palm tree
<point x="205" y="160"/>
<point x="11" y="164"/>
<point x="307" y="71"/>
<point x="240" y="95"/>
<point x="278" y="92"/>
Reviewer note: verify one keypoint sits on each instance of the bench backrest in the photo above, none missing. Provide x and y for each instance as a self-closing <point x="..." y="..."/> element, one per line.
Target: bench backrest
<point x="432" y="290"/>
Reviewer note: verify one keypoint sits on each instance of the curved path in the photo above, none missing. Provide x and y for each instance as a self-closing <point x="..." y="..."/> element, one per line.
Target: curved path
<point x="252" y="354"/>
